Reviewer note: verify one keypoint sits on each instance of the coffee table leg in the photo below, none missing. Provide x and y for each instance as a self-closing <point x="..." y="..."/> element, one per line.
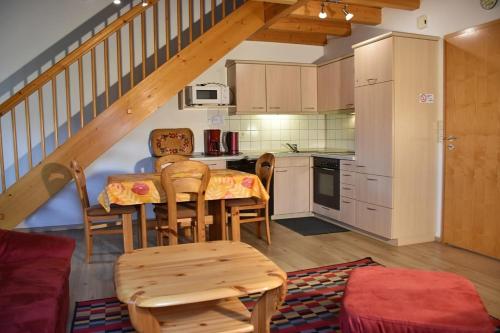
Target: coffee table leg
<point x="143" y="226"/>
<point x="143" y="320"/>
<point x="265" y="307"/>
<point x="128" y="240"/>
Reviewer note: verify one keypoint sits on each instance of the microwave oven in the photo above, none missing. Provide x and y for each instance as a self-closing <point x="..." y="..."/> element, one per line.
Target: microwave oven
<point x="207" y="94"/>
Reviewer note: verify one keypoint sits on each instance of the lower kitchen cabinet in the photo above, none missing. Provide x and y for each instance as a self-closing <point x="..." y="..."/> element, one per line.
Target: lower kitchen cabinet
<point x="291" y="187"/>
<point x="348" y="211"/>
<point x="215" y="164"/>
<point x="374" y="219"/>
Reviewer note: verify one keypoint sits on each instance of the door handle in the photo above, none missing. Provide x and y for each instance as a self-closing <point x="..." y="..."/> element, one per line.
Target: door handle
<point x="371" y="179"/>
<point x="450" y="138"/>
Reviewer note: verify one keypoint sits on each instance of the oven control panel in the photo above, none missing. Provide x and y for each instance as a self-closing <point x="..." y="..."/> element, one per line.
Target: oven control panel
<point x="326" y="163"/>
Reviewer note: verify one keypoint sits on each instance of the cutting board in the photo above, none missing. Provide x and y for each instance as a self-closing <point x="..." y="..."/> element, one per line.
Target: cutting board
<point x="167" y="141"/>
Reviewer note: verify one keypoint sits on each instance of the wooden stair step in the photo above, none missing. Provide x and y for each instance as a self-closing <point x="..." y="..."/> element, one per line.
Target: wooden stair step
<point x="228" y="315"/>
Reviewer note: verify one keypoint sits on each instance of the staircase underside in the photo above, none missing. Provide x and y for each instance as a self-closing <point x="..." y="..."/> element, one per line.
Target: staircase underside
<point x="52" y="174"/>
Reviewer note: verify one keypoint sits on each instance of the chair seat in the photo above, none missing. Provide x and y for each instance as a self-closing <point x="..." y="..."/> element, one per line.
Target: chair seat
<point x="244" y="202"/>
<point x="98" y="210"/>
<point x="225" y="315"/>
<point x="183" y="212"/>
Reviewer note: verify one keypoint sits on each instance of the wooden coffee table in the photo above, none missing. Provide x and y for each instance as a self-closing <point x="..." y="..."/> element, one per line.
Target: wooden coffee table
<point x="195" y="287"/>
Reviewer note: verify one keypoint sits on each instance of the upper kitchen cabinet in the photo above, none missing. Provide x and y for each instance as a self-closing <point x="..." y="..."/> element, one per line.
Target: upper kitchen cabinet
<point x="373" y="62"/>
<point x="336" y="85"/>
<point x="283" y="89"/>
<point x="248" y="84"/>
<point x="309" y="88"/>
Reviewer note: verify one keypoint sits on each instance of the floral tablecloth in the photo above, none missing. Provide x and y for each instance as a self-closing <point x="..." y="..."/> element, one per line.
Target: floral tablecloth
<point x="133" y="189"/>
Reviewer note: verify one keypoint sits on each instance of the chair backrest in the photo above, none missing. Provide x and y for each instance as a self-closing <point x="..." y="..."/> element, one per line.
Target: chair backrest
<point x="164" y="161"/>
<point x="189" y="177"/>
<point x="264" y="169"/>
<point x="81" y="183"/>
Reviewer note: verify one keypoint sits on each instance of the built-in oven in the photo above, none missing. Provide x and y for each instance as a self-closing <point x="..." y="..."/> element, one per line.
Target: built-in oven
<point x="326" y="187"/>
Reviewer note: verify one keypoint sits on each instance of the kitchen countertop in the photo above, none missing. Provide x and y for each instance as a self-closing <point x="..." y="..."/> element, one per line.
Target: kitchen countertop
<point x="255" y="154"/>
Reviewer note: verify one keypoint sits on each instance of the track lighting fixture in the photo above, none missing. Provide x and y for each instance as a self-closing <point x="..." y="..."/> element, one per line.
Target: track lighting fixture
<point x="322" y="13"/>
<point x="347" y="14"/>
<point x="117" y="2"/>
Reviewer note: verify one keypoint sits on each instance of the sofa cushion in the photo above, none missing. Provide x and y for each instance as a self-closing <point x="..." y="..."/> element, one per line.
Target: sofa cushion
<point x="32" y="295"/>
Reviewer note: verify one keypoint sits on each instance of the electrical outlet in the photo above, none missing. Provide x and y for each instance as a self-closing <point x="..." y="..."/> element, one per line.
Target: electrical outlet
<point x="422" y="22"/>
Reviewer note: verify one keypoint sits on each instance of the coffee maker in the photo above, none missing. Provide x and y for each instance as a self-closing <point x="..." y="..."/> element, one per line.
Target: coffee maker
<point x="231" y="143"/>
<point x="212" y="142"/>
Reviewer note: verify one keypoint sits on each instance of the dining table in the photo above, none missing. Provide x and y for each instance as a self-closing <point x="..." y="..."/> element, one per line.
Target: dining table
<point x="139" y="189"/>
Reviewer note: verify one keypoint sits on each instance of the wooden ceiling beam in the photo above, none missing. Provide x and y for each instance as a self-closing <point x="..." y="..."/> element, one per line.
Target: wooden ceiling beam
<point x="273" y="12"/>
<point x="362" y="14"/>
<point x="291" y="24"/>
<point x="397" y="4"/>
<point x="265" y="35"/>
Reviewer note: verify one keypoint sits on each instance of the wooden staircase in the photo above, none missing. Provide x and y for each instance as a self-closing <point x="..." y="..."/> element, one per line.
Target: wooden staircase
<point x="62" y="121"/>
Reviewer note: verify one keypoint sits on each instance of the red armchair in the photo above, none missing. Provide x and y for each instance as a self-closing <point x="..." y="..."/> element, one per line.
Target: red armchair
<point x="34" y="282"/>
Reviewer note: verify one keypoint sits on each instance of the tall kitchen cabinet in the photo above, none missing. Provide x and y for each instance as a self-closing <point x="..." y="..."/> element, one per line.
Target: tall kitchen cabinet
<point x="396" y="137"/>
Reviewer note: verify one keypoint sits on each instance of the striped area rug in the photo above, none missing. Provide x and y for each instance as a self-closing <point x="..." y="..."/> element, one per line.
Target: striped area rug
<point x="312" y="304"/>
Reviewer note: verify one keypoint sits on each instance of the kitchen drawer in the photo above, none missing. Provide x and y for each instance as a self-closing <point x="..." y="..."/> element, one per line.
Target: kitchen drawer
<point x="372" y="189"/>
<point x="347" y="177"/>
<point x="374" y="219"/>
<point x="348" y="211"/>
<point x="326" y="211"/>
<point x="286" y="162"/>
<point x="348" y="190"/>
<point x="215" y="164"/>
<point x="348" y="165"/>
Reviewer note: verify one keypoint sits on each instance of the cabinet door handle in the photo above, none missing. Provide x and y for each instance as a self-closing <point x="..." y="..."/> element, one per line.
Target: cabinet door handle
<point x="347" y="164"/>
<point x="274" y="107"/>
<point x="360" y="166"/>
<point x="258" y="107"/>
<point x="372" y="179"/>
<point x="346" y="188"/>
<point x="309" y="108"/>
<point x="369" y="208"/>
<point x="281" y="170"/>
<point x="344" y="175"/>
<point x="346" y="202"/>
<point x="372" y="81"/>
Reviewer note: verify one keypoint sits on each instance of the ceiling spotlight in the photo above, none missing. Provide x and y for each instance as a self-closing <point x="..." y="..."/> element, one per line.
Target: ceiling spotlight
<point x="348" y="15"/>
<point x="117" y="2"/>
<point x="322" y="13"/>
<point x="144" y="3"/>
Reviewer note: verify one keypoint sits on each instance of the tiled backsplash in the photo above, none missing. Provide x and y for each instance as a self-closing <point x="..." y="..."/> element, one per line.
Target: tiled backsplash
<point x="340" y="131"/>
<point x="261" y="132"/>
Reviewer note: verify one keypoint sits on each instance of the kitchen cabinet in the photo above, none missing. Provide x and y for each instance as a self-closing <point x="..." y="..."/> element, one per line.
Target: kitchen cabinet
<point x="374" y="129"/>
<point x="291" y="185"/>
<point x="309" y="88"/>
<point x="248" y="84"/>
<point x="374" y="189"/>
<point x="348" y="211"/>
<point x="396" y="140"/>
<point x="215" y="164"/>
<point x="336" y="85"/>
<point x="283" y="89"/>
<point x="374" y="219"/>
<point x="373" y="62"/>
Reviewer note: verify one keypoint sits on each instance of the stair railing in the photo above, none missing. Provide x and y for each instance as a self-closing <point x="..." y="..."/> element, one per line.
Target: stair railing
<point x="63" y="99"/>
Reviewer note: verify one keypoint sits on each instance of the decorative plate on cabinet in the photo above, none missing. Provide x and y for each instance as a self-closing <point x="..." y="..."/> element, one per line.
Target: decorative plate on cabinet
<point x="488" y="4"/>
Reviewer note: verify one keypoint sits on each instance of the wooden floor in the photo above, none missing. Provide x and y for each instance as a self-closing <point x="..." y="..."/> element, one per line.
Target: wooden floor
<point x="292" y="251"/>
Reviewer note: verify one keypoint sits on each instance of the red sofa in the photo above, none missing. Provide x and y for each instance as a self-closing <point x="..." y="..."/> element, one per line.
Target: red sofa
<point x="34" y="282"/>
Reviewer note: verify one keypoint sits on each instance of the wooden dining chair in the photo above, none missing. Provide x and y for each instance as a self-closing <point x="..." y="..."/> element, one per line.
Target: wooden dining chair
<point x="164" y="161"/>
<point x="235" y="207"/>
<point x="96" y="220"/>
<point x="185" y="177"/>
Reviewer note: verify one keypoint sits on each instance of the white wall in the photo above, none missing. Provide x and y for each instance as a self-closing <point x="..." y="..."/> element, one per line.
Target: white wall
<point x="443" y="17"/>
<point x="132" y="154"/>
